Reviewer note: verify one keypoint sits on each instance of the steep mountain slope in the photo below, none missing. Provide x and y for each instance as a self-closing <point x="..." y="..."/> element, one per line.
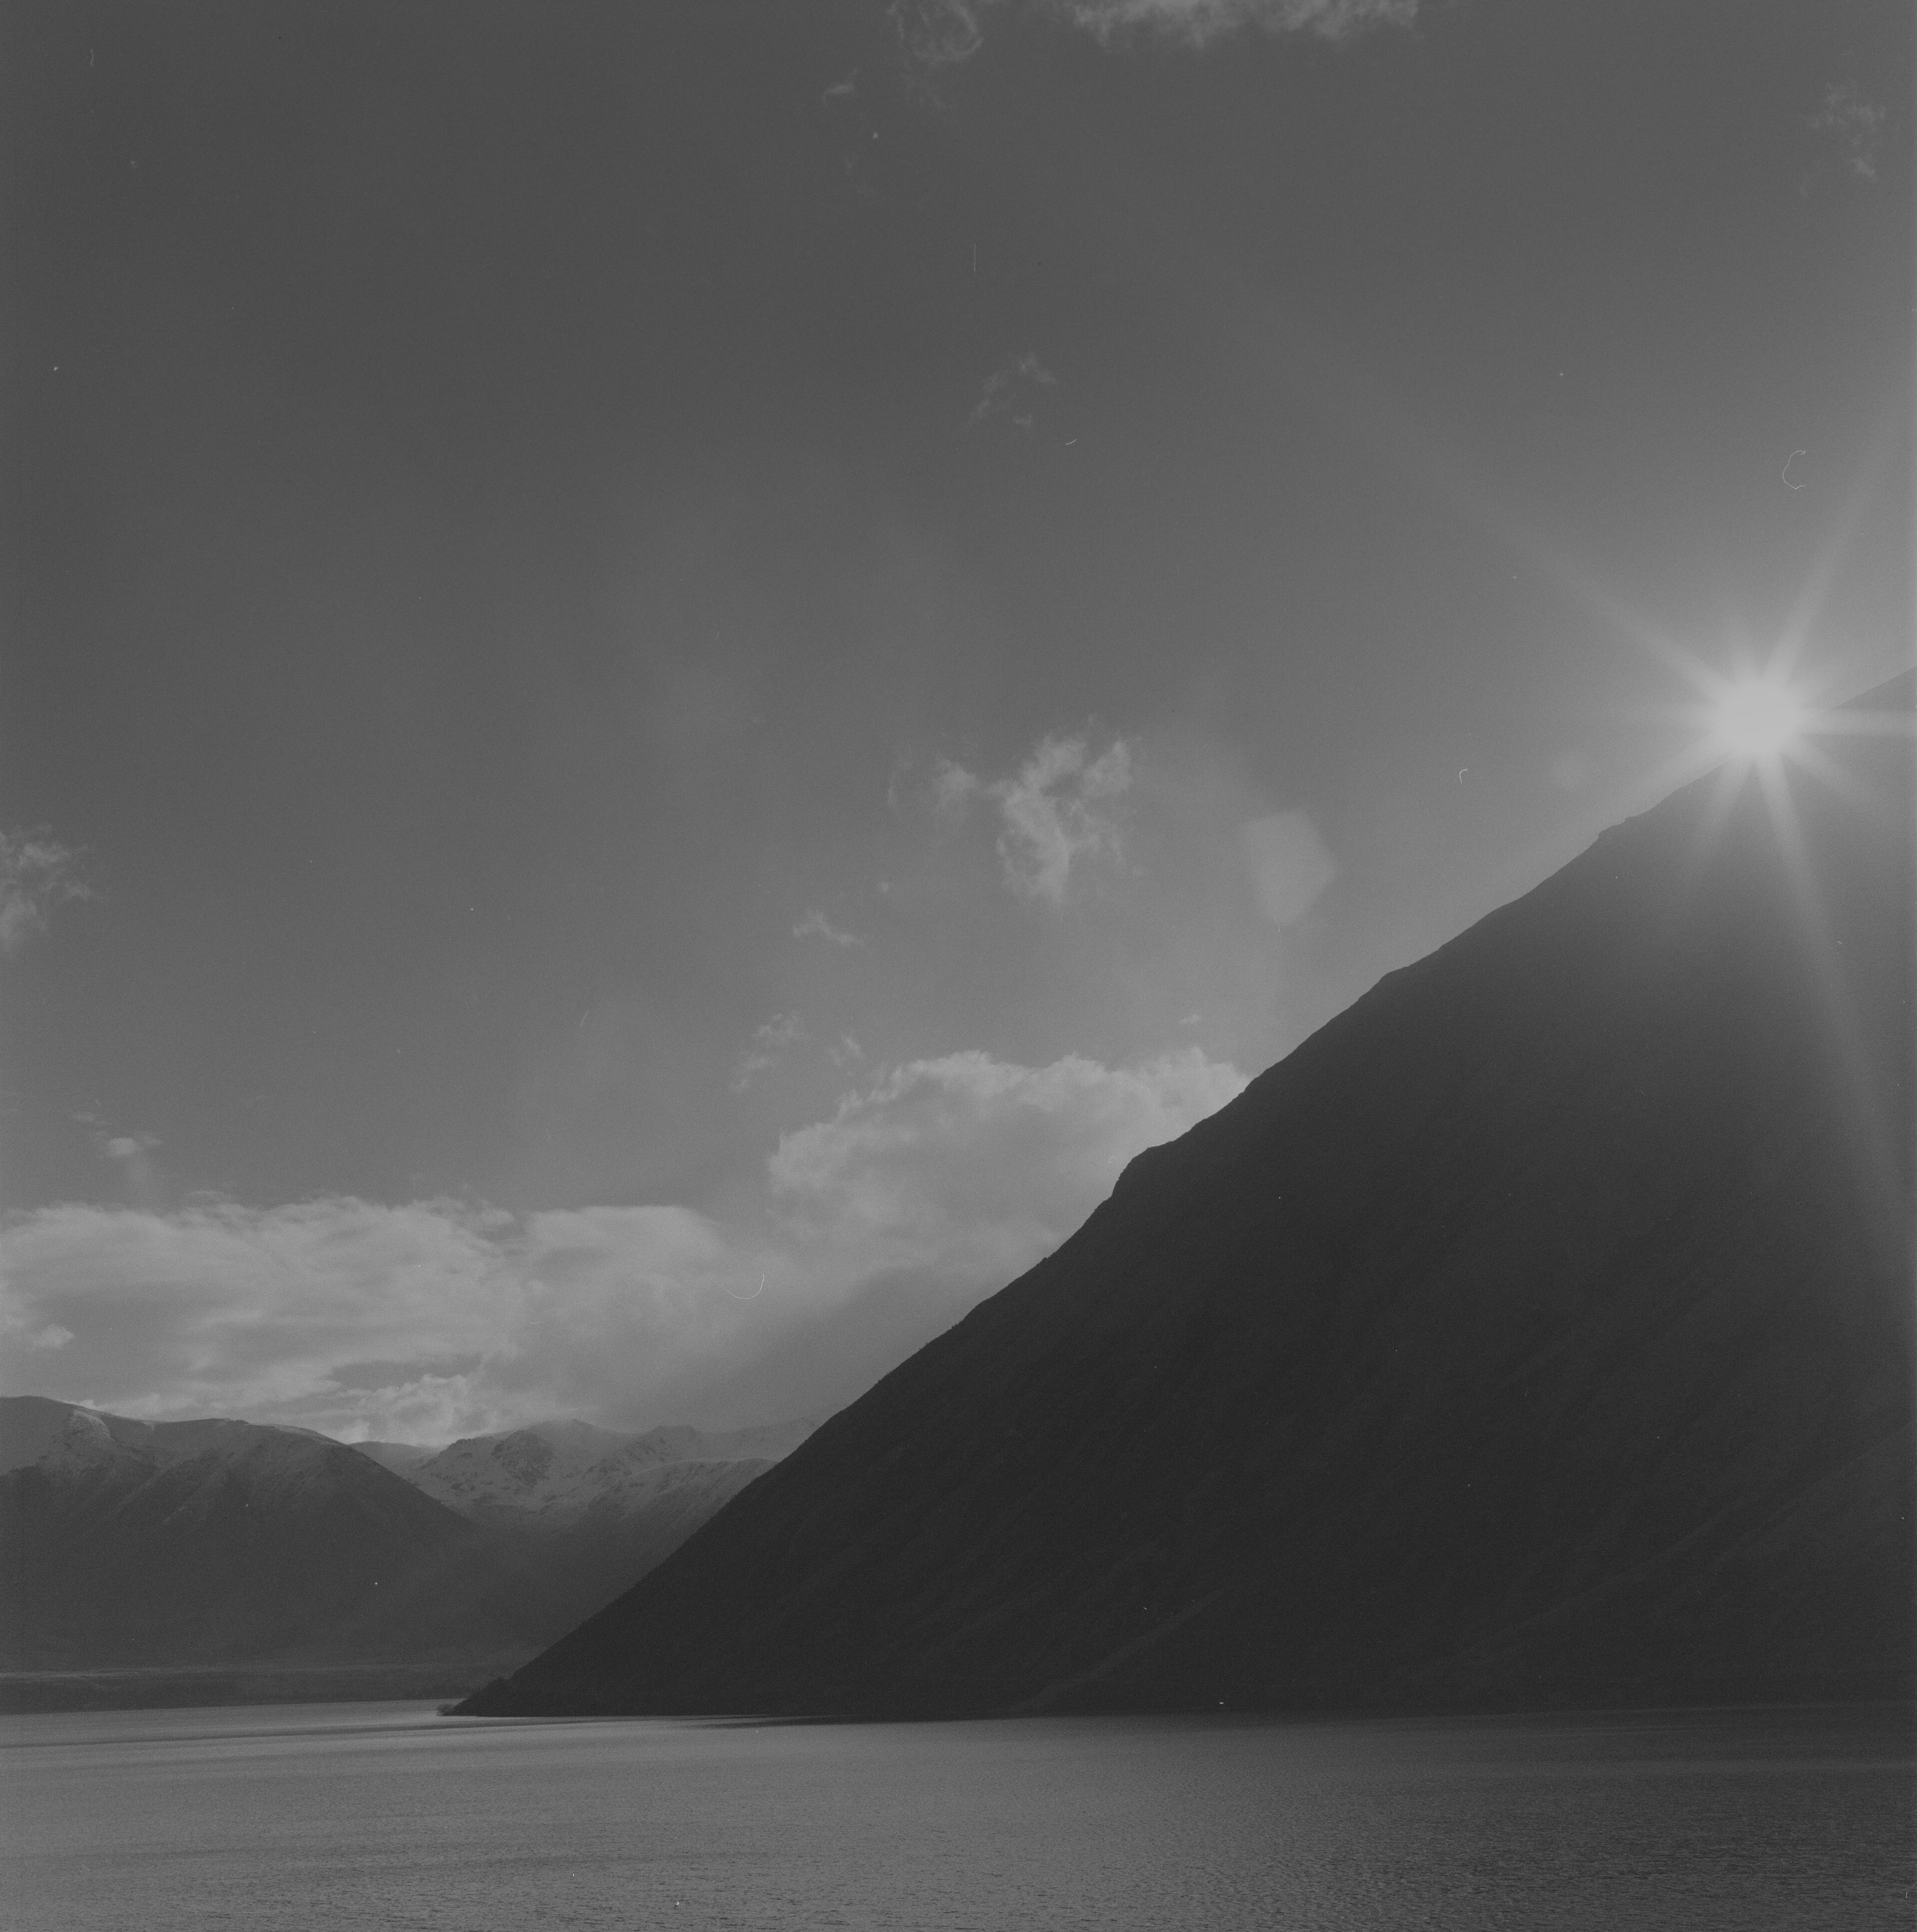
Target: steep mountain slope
<point x="1539" y="1332"/>
<point x="403" y="1458"/>
<point x="591" y="1510"/>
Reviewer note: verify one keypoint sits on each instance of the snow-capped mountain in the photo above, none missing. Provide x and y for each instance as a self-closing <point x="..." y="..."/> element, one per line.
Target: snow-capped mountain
<point x="559" y="1472"/>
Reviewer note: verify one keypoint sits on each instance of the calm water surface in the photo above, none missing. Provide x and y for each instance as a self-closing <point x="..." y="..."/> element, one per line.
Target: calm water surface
<point x="313" y="1817"/>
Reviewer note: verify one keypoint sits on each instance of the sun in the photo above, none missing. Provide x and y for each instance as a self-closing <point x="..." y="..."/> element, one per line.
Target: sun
<point x="1757" y="719"/>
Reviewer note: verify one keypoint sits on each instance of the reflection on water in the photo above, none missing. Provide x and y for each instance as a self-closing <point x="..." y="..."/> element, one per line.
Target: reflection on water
<point x="317" y="1817"/>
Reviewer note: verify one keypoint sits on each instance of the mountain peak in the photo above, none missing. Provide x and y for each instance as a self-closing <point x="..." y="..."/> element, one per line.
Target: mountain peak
<point x="560" y="1470"/>
<point x="1538" y="1332"/>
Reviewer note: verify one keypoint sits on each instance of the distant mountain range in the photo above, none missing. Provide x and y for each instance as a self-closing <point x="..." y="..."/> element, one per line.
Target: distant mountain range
<point x="563" y="1472"/>
<point x="136" y="1545"/>
<point x="1538" y="1334"/>
<point x="592" y="1509"/>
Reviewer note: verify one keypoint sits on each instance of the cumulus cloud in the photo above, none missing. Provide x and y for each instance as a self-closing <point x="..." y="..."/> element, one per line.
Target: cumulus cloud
<point x="980" y="1164"/>
<point x="938" y="1180"/>
<point x="1288" y="863"/>
<point x="37" y="873"/>
<point x="816" y="925"/>
<point x="1854" y="124"/>
<point x="345" y="1313"/>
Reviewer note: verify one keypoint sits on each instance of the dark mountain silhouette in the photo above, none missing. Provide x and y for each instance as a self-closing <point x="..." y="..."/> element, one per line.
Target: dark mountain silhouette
<point x="183" y="1546"/>
<point x="136" y="1544"/>
<point x="1538" y="1333"/>
<point x="591" y="1509"/>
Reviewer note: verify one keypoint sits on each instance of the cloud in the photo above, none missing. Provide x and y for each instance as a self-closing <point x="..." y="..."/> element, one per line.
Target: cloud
<point x="954" y="788"/>
<point x="1058" y="810"/>
<point x="1199" y="22"/>
<point x="1854" y="124"/>
<point x="932" y="1184"/>
<point x="1012" y="390"/>
<point x="768" y="1042"/>
<point x="939" y="33"/>
<point x="277" y="1312"/>
<point x="37" y="873"/>
<point x="141" y="1181"/>
<point x="816" y="925"/>
<point x="981" y="1165"/>
<point x="1288" y="862"/>
<point x="128" y="1147"/>
<point x="936" y="33"/>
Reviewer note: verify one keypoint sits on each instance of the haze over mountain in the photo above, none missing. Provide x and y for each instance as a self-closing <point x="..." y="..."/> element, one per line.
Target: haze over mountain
<point x="1538" y="1332"/>
<point x="591" y="1509"/>
<point x="556" y="1473"/>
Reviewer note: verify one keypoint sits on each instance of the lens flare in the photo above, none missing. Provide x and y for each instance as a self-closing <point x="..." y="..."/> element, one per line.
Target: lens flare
<point x="1758" y="719"/>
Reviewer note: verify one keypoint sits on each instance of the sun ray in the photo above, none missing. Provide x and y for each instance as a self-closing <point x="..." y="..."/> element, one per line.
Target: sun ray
<point x="1863" y="1102"/>
<point x="1821" y="767"/>
<point x="1758" y="719"/>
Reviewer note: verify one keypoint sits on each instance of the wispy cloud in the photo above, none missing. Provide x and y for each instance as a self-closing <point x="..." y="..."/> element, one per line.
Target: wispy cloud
<point x="1058" y="811"/>
<point x="37" y="873"/>
<point x="1013" y="391"/>
<point x="1854" y="125"/>
<point x="939" y="33"/>
<point x="954" y="788"/>
<point x="769" y="1042"/>
<point x="1196" y="22"/>
<point x="936" y="34"/>
<point x="1060" y="808"/>
<point x="816" y="925"/>
<point x="933" y="1183"/>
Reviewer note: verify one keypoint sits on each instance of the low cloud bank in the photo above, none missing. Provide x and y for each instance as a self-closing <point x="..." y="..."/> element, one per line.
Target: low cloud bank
<point x="929" y="1187"/>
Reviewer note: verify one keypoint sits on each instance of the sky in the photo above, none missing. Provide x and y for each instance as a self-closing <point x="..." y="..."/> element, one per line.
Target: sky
<point x="672" y="671"/>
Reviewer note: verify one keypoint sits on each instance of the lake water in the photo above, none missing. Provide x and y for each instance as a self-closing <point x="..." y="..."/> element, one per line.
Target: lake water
<point x="313" y="1817"/>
